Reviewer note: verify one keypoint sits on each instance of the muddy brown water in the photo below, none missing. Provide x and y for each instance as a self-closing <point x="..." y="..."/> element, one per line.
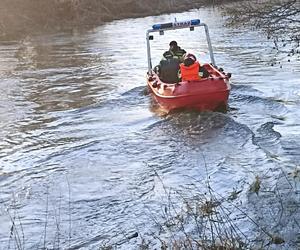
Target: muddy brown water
<point x="85" y="157"/>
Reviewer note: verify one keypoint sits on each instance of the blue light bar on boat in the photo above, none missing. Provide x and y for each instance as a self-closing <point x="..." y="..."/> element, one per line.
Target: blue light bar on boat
<point x="176" y="24"/>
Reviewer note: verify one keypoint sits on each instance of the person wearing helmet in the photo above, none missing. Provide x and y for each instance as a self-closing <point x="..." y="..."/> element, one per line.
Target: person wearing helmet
<point x="190" y="69"/>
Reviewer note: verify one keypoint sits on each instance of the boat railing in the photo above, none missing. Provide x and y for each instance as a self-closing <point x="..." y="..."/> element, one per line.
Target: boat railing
<point x="161" y="28"/>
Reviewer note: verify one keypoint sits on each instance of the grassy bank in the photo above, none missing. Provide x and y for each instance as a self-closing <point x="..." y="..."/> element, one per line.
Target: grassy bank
<point x="19" y="17"/>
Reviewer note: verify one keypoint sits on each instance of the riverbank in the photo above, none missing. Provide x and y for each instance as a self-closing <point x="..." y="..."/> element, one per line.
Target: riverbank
<point x="19" y="18"/>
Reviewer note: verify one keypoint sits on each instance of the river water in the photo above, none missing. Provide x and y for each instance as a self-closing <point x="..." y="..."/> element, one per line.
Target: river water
<point x="87" y="160"/>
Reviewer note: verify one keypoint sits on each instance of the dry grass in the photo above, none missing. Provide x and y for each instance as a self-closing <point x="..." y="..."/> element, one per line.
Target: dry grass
<point x="198" y="217"/>
<point x="207" y="219"/>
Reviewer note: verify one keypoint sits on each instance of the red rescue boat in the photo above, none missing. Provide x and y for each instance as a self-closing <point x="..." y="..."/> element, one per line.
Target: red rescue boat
<point x="209" y="93"/>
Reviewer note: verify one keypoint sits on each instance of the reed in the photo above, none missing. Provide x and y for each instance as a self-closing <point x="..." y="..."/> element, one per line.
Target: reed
<point x="199" y="217"/>
<point x="192" y="217"/>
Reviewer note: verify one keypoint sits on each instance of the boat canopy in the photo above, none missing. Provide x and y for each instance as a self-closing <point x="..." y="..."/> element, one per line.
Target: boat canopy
<point x="162" y="27"/>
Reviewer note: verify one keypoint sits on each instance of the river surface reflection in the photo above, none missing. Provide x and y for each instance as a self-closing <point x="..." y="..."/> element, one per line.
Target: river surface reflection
<point x="86" y="159"/>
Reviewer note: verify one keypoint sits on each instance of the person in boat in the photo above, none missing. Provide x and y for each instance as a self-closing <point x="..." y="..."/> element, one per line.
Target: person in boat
<point x="169" y="65"/>
<point x="191" y="70"/>
<point x="174" y="52"/>
<point x="167" y="70"/>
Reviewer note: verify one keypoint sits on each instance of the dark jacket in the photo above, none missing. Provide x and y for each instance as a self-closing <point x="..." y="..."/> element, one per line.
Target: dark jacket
<point x="168" y="70"/>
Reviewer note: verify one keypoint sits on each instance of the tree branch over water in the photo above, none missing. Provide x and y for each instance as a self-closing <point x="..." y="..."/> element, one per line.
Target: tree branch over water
<point x="280" y="19"/>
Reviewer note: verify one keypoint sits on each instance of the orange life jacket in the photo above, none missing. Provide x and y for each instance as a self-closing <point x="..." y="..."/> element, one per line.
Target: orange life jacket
<point x="190" y="73"/>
